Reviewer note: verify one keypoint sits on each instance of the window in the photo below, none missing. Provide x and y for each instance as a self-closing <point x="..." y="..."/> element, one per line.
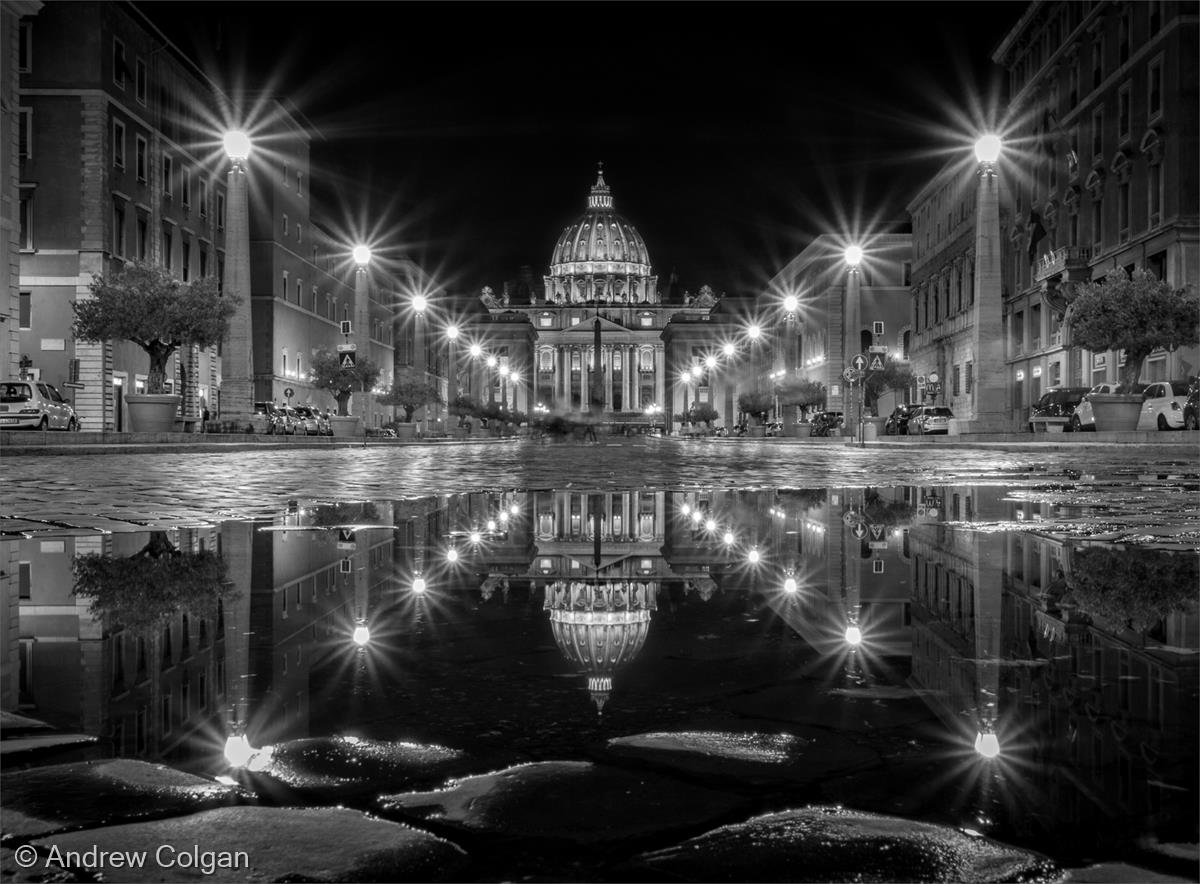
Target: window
<point x="545" y="320"/>
<point x="139" y="157"/>
<point x="970" y="373"/>
<point x="220" y="211"/>
<point x="139" y="81"/>
<point x="203" y="261"/>
<point x="285" y="285"/>
<point x="25" y="47"/>
<point x="26" y="308"/>
<point x="1123" y="37"/>
<point x="285" y="223"/>
<point x="1097" y="221"/>
<point x="1123" y="113"/>
<point x="185" y="260"/>
<point x="285" y="174"/>
<point x="299" y="184"/>
<point x="142" y="233"/>
<point x="118" y="145"/>
<point x="957" y="384"/>
<point x="1154" y="89"/>
<point x="1154" y="188"/>
<point x="1098" y="61"/>
<point x="185" y="186"/>
<point x="118" y="231"/>
<point x="26" y="219"/>
<point x="1123" y="208"/>
<point x="647" y="320"/>
<point x="1097" y="133"/>
<point x="118" y="63"/>
<point x="299" y="290"/>
<point x="298" y="233"/>
<point x="167" y="175"/>
<point x="203" y="197"/>
<point x="24" y="132"/>
<point x="168" y="245"/>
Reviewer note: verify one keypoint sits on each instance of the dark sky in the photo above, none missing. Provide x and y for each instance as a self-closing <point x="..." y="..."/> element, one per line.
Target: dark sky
<point x="731" y="133"/>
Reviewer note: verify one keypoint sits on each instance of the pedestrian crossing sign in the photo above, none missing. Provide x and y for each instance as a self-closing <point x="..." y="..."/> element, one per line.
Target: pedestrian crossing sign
<point x="347" y="359"/>
<point x="876" y="364"/>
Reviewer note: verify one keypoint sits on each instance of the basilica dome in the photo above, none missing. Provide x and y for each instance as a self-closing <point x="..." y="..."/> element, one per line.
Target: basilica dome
<point x="600" y="241"/>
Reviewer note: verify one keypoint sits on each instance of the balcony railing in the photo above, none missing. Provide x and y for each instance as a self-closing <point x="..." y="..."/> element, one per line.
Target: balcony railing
<point x="1063" y="258"/>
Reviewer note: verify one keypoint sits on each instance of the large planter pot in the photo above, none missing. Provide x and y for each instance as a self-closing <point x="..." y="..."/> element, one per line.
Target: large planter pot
<point x="152" y="412"/>
<point x="757" y="432"/>
<point x="1116" y="411"/>
<point x="406" y="432"/>
<point x="345" y="426"/>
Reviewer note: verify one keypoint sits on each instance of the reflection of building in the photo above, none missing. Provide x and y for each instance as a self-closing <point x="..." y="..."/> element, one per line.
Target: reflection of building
<point x="600" y="626"/>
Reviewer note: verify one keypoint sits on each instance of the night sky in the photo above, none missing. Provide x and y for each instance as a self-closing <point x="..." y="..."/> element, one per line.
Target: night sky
<point x="731" y="133"/>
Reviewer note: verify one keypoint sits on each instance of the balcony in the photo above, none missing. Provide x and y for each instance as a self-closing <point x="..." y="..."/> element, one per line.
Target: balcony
<point x="1071" y="259"/>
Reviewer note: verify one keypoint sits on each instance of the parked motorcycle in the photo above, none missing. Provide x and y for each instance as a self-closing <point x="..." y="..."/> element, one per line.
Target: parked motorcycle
<point x="825" y="424"/>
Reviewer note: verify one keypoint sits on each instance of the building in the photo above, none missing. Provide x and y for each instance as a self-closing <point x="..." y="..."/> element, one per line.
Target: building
<point x="100" y="83"/>
<point x="842" y="311"/>
<point x="601" y="287"/>
<point x="1108" y="94"/>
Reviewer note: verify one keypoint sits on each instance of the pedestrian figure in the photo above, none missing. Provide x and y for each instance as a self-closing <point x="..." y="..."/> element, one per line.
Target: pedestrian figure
<point x="589" y="433"/>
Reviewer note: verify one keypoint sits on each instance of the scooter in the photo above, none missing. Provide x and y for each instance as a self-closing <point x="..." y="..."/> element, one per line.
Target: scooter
<point x="824" y="425"/>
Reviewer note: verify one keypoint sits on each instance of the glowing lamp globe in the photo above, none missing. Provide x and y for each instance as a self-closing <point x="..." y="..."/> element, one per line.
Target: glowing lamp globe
<point x="237" y="145"/>
<point x="697" y="516"/>
<point x="710" y="361"/>
<point x="987" y="148"/>
<point x="362" y="256"/>
<point x="853" y="636"/>
<point x="514" y="509"/>
<point x="475" y="537"/>
<point x="237" y="750"/>
<point x="729" y="349"/>
<point x="697" y="371"/>
<point x="418" y="584"/>
<point x="504" y="371"/>
<point x="362" y="635"/>
<point x="753" y="557"/>
<point x="491" y="362"/>
<point x="515" y="377"/>
<point x="710" y="525"/>
<point x="790" y="303"/>
<point x="685" y="509"/>
<point x="754" y="332"/>
<point x="452" y="332"/>
<point x="419" y="303"/>
<point x="476" y="350"/>
<point x="853" y="255"/>
<point x="987" y="745"/>
<point x="451" y="555"/>
<point x="789" y="585"/>
<point x="728" y="538"/>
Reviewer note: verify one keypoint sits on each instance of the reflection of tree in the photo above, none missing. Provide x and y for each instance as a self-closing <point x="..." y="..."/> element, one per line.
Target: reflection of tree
<point x="144" y="590"/>
<point x="805" y="498"/>
<point x="1134" y="588"/>
<point x="886" y="512"/>
<point x="346" y="513"/>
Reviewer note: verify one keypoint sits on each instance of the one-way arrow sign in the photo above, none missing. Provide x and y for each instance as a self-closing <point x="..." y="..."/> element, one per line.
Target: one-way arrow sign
<point x="859" y="530"/>
<point x="859" y="362"/>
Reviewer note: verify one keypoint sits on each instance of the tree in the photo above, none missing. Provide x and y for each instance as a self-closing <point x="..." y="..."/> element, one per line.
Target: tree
<point x="145" y="304"/>
<point x="1135" y="587"/>
<point x="896" y="376"/>
<point x="328" y="374"/>
<point x="411" y="392"/>
<point x="145" y="590"/>
<point x="1136" y="314"/>
<point x="703" y="413"/>
<point x="464" y="407"/>
<point x="756" y="404"/>
<point x="804" y="392"/>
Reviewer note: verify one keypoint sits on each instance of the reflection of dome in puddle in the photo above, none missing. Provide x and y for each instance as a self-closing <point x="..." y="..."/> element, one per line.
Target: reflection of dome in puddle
<point x="600" y="626"/>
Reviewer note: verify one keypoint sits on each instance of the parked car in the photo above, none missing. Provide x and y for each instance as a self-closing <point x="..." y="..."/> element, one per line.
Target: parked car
<point x="34" y="405"/>
<point x="309" y="420"/>
<point x="897" y="422"/>
<point x="1162" y="405"/>
<point x="279" y="421"/>
<point x="1191" y="421"/>
<point x="929" y="419"/>
<point x="1084" y="419"/>
<point x="1057" y="405"/>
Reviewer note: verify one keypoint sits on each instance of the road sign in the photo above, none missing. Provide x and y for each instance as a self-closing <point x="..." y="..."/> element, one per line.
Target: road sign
<point x="345" y="538"/>
<point x="859" y="362"/>
<point x="859" y="531"/>
<point x="345" y="326"/>
<point x="876" y="532"/>
<point x="933" y="377"/>
<point x="347" y="348"/>
<point x="851" y="375"/>
<point x="850" y="517"/>
<point x="348" y="360"/>
<point x="877" y="544"/>
<point x="920" y="380"/>
<point x="933" y="389"/>
<point x="289" y="392"/>
<point x="876" y="363"/>
<point x="877" y="348"/>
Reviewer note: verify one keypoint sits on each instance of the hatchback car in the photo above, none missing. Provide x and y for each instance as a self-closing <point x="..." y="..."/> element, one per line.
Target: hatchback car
<point x="1162" y="405"/>
<point x="33" y="405"/>
<point x="1056" y="406"/>
<point x="1191" y="420"/>
<point x="897" y="422"/>
<point x="929" y="419"/>
<point x="308" y="420"/>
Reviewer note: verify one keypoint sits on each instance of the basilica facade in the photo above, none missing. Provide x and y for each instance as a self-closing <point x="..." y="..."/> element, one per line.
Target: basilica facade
<point x="601" y="296"/>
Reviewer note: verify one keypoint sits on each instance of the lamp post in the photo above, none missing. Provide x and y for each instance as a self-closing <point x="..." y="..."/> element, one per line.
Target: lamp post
<point x="791" y="357"/>
<point x="452" y="365"/>
<point x="419" y="304"/>
<point x="491" y="364"/>
<point x="988" y="407"/>
<point x="362" y="319"/>
<point x="237" y="355"/>
<point x="853" y="320"/>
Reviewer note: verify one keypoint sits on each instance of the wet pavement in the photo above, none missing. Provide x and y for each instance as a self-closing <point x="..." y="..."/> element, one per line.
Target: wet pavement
<point x="649" y="660"/>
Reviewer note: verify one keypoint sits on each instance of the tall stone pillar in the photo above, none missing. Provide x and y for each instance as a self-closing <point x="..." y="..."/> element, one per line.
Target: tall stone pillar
<point x="988" y="412"/>
<point x="237" y="353"/>
<point x="659" y="384"/>
<point x="362" y="338"/>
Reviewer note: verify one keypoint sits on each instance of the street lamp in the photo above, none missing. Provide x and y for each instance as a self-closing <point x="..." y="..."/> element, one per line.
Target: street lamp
<point x="852" y="337"/>
<point x="988" y="405"/>
<point x="237" y="354"/>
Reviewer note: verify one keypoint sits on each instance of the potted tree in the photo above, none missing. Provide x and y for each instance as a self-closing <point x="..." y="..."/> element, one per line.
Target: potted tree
<point x="410" y="392"/>
<point x="1137" y="314"/>
<point x="806" y="394"/>
<point x="756" y="404"/>
<point x="341" y="381"/>
<point x="465" y="408"/>
<point x="145" y="304"/>
<point x="896" y="377"/>
<point x="704" y="413"/>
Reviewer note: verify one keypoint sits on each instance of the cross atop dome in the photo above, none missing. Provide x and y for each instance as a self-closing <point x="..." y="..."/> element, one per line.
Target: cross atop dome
<point x="601" y="196"/>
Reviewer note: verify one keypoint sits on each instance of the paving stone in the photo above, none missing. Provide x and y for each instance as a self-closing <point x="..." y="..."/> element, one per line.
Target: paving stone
<point x="63" y="797"/>
<point x="263" y="844"/>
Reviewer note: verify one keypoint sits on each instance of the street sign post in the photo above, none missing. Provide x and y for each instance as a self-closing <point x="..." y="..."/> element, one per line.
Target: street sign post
<point x="348" y="359"/>
<point x="289" y="393"/>
<point x="859" y="362"/>
<point x="859" y="531"/>
<point x="345" y="538"/>
<point x="347" y="348"/>
<point x="876" y="363"/>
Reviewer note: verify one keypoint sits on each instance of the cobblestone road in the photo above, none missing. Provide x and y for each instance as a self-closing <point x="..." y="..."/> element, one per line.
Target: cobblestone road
<point x="179" y="487"/>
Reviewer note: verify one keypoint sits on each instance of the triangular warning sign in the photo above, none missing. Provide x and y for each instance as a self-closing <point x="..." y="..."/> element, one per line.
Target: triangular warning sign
<point x="346" y="535"/>
<point x="876" y="364"/>
<point x="876" y="532"/>
<point x="348" y="360"/>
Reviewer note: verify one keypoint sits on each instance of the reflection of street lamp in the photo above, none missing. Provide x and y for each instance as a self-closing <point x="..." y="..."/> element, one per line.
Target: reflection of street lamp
<point x="237" y="354"/>
<point x="987" y="744"/>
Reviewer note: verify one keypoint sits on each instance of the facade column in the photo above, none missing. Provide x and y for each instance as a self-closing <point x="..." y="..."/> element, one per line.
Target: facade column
<point x="660" y="514"/>
<point x="989" y="412"/>
<point x="362" y="338"/>
<point x="237" y="369"/>
<point x="659" y="386"/>
<point x="608" y="378"/>
<point x="631" y="378"/>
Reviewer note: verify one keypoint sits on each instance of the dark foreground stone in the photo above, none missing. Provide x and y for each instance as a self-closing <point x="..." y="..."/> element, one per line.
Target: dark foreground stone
<point x="833" y="844"/>
<point x="338" y="767"/>
<point x="259" y="844"/>
<point x="63" y="797"/>
<point x="754" y="758"/>
<point x="568" y="801"/>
